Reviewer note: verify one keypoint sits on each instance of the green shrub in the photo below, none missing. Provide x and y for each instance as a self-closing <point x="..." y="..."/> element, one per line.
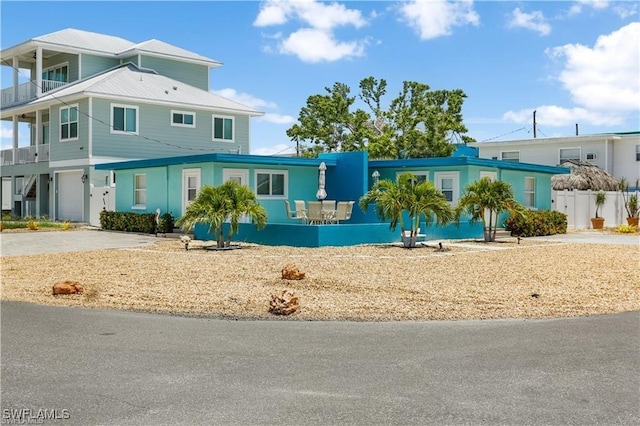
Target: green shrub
<point x="166" y="223"/>
<point x="626" y="229"/>
<point x="537" y="223"/>
<point x="127" y="221"/>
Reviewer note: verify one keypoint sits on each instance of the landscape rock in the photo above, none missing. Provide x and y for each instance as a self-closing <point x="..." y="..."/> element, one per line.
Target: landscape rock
<point x="67" y="287"/>
<point x="291" y="272"/>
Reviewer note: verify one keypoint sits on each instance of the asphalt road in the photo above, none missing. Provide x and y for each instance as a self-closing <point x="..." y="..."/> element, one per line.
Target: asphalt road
<point x="114" y="367"/>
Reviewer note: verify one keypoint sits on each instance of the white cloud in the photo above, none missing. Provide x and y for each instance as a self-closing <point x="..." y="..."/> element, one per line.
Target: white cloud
<point x="244" y="98"/>
<point x="272" y="117"/>
<point x="325" y="46"/>
<point x="279" y="149"/>
<point x="534" y="21"/>
<point x="578" y="6"/>
<point x="604" y="77"/>
<point x="626" y="10"/>
<point x="316" y="41"/>
<point x="602" y="82"/>
<point x="432" y="19"/>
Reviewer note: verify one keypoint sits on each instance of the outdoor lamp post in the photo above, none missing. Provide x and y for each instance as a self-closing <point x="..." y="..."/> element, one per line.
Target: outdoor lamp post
<point x="376" y="176"/>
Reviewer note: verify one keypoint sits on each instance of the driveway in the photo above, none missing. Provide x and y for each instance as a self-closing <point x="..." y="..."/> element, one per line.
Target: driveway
<point x="112" y="367"/>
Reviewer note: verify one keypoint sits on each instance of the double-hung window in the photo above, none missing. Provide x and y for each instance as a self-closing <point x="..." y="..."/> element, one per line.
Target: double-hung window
<point x="222" y="128"/>
<point x="449" y="184"/>
<point x="510" y="156"/>
<point x="140" y="191"/>
<point x="271" y="183"/>
<point x="183" y="119"/>
<point x="530" y="192"/>
<point x="421" y="175"/>
<point x="124" y="119"/>
<point x="69" y="123"/>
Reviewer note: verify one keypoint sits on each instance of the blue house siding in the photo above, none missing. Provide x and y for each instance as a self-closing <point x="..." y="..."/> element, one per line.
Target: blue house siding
<point x="74" y="149"/>
<point x="92" y="65"/>
<point x="191" y="74"/>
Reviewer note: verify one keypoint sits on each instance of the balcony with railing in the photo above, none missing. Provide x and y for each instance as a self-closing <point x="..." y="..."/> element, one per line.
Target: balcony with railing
<point x="25" y="155"/>
<point x="27" y="91"/>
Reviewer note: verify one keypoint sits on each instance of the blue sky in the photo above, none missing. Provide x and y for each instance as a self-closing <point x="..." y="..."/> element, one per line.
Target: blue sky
<point x="572" y="62"/>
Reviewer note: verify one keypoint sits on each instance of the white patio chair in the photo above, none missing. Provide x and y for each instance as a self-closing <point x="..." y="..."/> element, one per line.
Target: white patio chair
<point x="315" y="212"/>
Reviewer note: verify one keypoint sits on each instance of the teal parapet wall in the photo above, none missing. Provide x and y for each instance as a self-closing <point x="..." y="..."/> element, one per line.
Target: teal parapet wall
<point x="339" y="235"/>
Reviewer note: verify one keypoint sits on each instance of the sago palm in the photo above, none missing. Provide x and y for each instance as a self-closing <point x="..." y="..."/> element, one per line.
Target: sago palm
<point x="484" y="200"/>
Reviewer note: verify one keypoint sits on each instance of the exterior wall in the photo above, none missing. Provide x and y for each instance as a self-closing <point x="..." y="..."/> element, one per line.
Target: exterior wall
<point x="71" y="150"/>
<point x="542" y="189"/>
<point x="580" y="207"/>
<point x="60" y="59"/>
<point x="625" y="164"/>
<point x="191" y="74"/>
<point x="92" y="64"/>
<point x="7" y="191"/>
<point x="154" y="123"/>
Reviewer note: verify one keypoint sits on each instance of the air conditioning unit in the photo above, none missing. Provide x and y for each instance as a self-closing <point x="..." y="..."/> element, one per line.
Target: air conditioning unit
<point x="592" y="156"/>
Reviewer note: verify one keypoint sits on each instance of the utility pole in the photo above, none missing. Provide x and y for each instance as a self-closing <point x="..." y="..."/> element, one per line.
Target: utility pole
<point x="576" y="129"/>
<point x="534" y="123"/>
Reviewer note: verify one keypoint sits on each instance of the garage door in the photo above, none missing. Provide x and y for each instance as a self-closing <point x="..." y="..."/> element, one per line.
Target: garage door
<point x="70" y="196"/>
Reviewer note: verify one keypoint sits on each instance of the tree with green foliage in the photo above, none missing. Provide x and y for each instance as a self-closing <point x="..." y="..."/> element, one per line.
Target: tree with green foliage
<point x="418" y="200"/>
<point x="418" y="123"/>
<point x="229" y="202"/>
<point x="484" y="200"/>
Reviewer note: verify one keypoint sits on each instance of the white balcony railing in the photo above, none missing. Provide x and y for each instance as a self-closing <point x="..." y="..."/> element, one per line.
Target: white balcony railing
<point x="25" y="155"/>
<point x="27" y="91"/>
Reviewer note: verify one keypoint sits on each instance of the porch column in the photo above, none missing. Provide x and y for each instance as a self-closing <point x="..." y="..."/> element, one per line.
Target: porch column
<point x="38" y="190"/>
<point x="38" y="71"/>
<point x="36" y="135"/>
<point x="16" y="79"/>
<point x="15" y="138"/>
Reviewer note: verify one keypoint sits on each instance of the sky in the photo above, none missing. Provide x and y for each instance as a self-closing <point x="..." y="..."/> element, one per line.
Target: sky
<point x="573" y="62"/>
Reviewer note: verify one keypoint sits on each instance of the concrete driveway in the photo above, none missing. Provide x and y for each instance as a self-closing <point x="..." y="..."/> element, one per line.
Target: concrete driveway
<point x="114" y="367"/>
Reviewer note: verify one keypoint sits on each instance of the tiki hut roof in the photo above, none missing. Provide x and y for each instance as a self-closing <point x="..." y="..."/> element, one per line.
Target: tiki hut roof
<point x="584" y="176"/>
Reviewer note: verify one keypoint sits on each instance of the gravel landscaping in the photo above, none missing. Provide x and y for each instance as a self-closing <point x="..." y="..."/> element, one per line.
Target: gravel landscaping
<point x="471" y="280"/>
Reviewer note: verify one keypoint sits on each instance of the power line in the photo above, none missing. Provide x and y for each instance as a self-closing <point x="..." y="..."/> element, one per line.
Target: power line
<point x="107" y="124"/>
<point x="504" y="134"/>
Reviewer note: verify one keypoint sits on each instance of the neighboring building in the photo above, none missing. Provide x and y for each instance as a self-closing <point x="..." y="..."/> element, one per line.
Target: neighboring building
<point x="617" y="153"/>
<point x="94" y="98"/>
<point x="169" y="184"/>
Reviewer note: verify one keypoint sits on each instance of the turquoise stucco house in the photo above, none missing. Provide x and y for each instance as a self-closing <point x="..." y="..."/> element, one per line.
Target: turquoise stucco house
<point x="170" y="183"/>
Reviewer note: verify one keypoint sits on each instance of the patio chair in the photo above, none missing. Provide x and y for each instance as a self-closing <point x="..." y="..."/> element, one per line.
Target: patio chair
<point x="294" y="214"/>
<point x="343" y="211"/>
<point x="315" y="212"/>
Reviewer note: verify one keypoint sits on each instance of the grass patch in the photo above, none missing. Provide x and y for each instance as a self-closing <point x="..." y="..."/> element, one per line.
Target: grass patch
<point x="32" y="224"/>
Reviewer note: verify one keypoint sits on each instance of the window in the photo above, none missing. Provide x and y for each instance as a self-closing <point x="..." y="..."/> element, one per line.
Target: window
<point x="58" y="73"/>
<point x="124" y="119"/>
<point x="566" y="154"/>
<point x="422" y="176"/>
<point x="183" y="119"/>
<point x="637" y="152"/>
<point x="510" y="156"/>
<point x="491" y="175"/>
<point x="140" y="191"/>
<point x="529" y="192"/>
<point x="239" y="175"/>
<point x="223" y="129"/>
<point x="69" y="123"/>
<point x="592" y="156"/>
<point x="271" y="183"/>
<point x="448" y="183"/>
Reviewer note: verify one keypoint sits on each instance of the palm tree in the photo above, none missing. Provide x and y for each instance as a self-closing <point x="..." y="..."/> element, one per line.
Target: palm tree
<point x="217" y="205"/>
<point x="486" y="196"/>
<point x="417" y="199"/>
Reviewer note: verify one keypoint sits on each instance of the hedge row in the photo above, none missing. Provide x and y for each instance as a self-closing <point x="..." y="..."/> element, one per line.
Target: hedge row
<point x="537" y="223"/>
<point x="136" y="222"/>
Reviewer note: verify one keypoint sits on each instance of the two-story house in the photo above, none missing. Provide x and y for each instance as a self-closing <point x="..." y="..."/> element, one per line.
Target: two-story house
<point x="86" y="99"/>
<point x="616" y="153"/>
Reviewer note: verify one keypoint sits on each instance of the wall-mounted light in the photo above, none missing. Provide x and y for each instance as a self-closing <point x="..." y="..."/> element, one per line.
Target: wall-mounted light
<point x="83" y="178"/>
<point x="376" y="176"/>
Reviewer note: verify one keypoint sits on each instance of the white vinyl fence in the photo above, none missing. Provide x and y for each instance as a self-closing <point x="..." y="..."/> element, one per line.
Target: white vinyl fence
<point x="580" y="207"/>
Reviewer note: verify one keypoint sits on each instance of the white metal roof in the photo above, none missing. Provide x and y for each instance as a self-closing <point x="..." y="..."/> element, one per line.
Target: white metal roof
<point x="156" y="47"/>
<point x="131" y="84"/>
<point x="85" y="40"/>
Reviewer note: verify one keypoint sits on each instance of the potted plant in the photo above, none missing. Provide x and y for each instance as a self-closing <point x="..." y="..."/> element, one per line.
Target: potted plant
<point x="598" y="222"/>
<point x="630" y="203"/>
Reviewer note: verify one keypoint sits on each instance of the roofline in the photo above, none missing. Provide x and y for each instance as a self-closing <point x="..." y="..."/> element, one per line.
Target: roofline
<point x="596" y="136"/>
<point x="135" y="51"/>
<point x="216" y="158"/>
<point x="466" y="161"/>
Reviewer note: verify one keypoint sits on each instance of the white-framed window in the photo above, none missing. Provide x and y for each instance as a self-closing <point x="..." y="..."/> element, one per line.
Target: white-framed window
<point x="223" y="128"/>
<point x="59" y="73"/>
<point x="69" y="123"/>
<point x="45" y="133"/>
<point x="591" y="156"/>
<point x="510" y="156"/>
<point x="140" y="191"/>
<point x="529" y="192"/>
<point x="421" y="175"/>
<point x="239" y="175"/>
<point x="449" y="184"/>
<point x="183" y="118"/>
<point x="637" y="152"/>
<point x="566" y="154"/>
<point x="190" y="186"/>
<point x="491" y="175"/>
<point x="271" y="183"/>
<point x="124" y="119"/>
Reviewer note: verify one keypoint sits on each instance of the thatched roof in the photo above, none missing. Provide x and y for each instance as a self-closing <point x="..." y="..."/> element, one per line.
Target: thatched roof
<point x="584" y="176"/>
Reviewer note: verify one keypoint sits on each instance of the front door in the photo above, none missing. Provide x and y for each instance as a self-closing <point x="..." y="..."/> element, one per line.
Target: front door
<point x="190" y="186"/>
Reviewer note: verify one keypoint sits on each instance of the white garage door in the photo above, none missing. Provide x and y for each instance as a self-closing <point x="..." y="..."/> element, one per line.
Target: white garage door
<point x="70" y="196"/>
